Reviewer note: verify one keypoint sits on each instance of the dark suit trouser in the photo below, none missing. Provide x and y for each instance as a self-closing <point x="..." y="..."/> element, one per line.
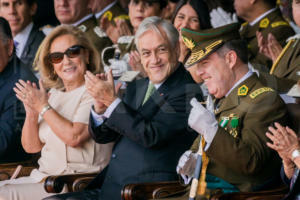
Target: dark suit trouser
<point x="84" y="195"/>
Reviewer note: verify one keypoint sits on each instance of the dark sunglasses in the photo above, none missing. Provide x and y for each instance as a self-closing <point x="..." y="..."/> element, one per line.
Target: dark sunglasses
<point x="71" y="52"/>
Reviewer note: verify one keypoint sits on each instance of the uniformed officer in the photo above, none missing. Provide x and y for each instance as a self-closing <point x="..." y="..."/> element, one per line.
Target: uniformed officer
<point x="236" y="157"/>
<point x="263" y="16"/>
<point x="78" y="13"/>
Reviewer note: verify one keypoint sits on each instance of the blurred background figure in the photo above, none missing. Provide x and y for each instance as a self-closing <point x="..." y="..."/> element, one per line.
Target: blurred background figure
<point x="12" y="113"/>
<point x="263" y="16"/>
<point x="26" y="35"/>
<point x="191" y="14"/>
<point x="56" y="123"/>
<point x="285" y="59"/>
<point x="169" y="10"/>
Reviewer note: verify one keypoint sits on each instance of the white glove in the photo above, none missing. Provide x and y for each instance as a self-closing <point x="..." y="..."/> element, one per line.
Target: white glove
<point x="203" y="121"/>
<point x="186" y="165"/>
<point x="118" y="66"/>
<point x="219" y="17"/>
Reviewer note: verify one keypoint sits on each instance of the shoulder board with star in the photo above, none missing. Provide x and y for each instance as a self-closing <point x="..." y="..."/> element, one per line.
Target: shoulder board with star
<point x="99" y="32"/>
<point x="260" y="91"/>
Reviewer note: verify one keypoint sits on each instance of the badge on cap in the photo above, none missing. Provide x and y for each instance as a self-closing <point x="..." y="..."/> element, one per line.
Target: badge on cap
<point x="189" y="43"/>
<point x="264" y="23"/>
<point x="243" y="90"/>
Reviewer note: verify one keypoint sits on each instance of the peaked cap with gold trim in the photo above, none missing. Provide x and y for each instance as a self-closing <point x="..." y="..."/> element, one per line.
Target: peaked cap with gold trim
<point x="204" y="42"/>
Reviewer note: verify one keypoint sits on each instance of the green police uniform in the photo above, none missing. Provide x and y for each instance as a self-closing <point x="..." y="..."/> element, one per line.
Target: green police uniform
<point x="115" y="12"/>
<point x="238" y="153"/>
<point x="272" y="23"/>
<point x="95" y="34"/>
<point x="238" y="156"/>
<point x="284" y="72"/>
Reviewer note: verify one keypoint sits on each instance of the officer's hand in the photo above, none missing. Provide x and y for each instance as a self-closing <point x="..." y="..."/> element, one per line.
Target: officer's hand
<point x="219" y="17"/>
<point x="186" y="165"/>
<point x="202" y="121"/>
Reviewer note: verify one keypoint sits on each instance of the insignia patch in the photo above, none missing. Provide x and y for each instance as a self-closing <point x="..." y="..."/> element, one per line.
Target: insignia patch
<point x="108" y="15"/>
<point x="264" y="23"/>
<point x="279" y="23"/>
<point x="243" y="90"/>
<point x="188" y="42"/>
<point x="99" y="32"/>
<point x="82" y="28"/>
<point x="259" y="91"/>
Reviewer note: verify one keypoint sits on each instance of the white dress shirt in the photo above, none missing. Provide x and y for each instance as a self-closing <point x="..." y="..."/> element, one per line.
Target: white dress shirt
<point x="21" y="39"/>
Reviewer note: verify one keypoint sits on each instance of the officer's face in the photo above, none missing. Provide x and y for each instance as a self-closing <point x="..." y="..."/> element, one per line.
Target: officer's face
<point x="139" y="10"/>
<point x="18" y="13"/>
<point x="6" y="49"/>
<point x="71" y="68"/>
<point x="241" y="7"/>
<point x="156" y="56"/>
<point x="296" y="11"/>
<point x="70" y="11"/>
<point x="216" y="74"/>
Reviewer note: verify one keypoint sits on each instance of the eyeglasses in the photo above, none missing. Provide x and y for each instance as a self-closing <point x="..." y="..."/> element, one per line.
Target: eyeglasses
<point x="71" y="52"/>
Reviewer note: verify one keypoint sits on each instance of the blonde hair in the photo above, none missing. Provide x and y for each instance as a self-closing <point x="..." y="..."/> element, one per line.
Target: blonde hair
<point x="48" y="75"/>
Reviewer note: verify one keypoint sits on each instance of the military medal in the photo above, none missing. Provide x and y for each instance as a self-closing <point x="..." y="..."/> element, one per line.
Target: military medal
<point x="224" y="121"/>
<point x="234" y="124"/>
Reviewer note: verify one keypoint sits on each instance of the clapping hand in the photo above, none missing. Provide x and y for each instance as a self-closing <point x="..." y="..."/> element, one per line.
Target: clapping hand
<point x="102" y="88"/>
<point x="34" y="99"/>
<point x="269" y="47"/>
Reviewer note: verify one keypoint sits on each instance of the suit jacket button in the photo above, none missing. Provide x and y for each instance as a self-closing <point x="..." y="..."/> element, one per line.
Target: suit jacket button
<point x="113" y="155"/>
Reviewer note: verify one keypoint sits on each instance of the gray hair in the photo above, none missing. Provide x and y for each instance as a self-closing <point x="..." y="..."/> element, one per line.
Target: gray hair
<point x="158" y="25"/>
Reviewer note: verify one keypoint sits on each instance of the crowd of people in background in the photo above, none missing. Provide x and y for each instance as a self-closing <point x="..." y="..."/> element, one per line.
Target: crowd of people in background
<point x="135" y="89"/>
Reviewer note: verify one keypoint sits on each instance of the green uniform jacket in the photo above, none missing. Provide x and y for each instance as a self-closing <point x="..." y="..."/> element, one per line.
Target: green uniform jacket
<point x="285" y="73"/>
<point x="238" y="153"/>
<point x="95" y="34"/>
<point x="272" y="23"/>
<point x="115" y="12"/>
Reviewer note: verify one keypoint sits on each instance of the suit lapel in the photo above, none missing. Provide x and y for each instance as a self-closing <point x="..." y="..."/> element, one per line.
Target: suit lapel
<point x="30" y="40"/>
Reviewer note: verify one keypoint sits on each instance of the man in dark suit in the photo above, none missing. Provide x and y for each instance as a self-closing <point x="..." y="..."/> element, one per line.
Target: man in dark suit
<point x="12" y="112"/>
<point x="149" y="128"/>
<point x="27" y="37"/>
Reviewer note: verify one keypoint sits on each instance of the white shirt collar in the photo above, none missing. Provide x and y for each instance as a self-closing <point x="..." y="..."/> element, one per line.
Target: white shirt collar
<point x="101" y="12"/>
<point x="82" y="19"/>
<point x="157" y="85"/>
<point x="261" y="16"/>
<point x="249" y="73"/>
<point x="22" y="38"/>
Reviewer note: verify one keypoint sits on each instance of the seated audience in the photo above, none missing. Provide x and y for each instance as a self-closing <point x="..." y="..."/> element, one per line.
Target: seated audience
<point x="12" y="113"/>
<point x="235" y="157"/>
<point x="263" y="16"/>
<point x="27" y="37"/>
<point x="56" y="122"/>
<point x="191" y="14"/>
<point x="149" y="125"/>
<point x="287" y="144"/>
<point x="78" y="13"/>
<point x="286" y="61"/>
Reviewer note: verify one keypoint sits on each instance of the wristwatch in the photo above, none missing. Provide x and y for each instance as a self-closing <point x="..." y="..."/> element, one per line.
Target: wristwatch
<point x="295" y="154"/>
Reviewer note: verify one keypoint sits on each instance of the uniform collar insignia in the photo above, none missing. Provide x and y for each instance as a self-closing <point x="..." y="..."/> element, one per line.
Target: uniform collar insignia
<point x="243" y="90"/>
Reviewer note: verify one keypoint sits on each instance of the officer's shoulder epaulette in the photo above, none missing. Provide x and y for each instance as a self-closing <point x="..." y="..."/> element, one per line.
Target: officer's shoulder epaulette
<point x="124" y="17"/>
<point x="260" y="91"/>
<point x="279" y="23"/>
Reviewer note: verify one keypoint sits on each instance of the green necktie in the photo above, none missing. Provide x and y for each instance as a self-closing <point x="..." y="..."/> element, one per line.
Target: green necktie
<point x="149" y="92"/>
